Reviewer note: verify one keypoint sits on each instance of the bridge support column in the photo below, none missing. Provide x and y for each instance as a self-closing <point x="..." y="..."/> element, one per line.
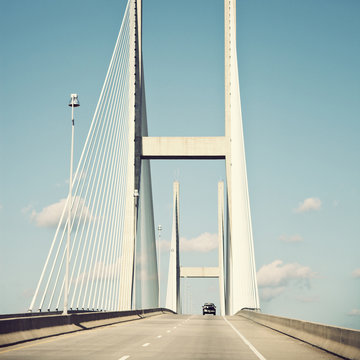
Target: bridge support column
<point x="221" y="246"/>
<point x="139" y="273"/>
<point x="241" y="285"/>
<point x="173" y="301"/>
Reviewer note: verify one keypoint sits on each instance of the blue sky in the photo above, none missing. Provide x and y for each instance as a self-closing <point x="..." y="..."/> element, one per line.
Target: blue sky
<point x="300" y="92"/>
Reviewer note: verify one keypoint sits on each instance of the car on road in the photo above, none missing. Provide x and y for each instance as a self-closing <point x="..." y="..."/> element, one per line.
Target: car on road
<point x="209" y="308"/>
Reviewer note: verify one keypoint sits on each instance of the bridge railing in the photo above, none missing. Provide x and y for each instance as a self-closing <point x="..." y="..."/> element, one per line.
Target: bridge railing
<point x="32" y="326"/>
<point x="339" y="341"/>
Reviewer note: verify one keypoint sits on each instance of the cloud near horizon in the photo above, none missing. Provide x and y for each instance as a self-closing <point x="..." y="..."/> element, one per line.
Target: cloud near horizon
<point x="205" y="242"/>
<point x="354" y="312"/>
<point x="274" y="278"/>
<point x="309" y="204"/>
<point x="98" y="271"/>
<point x="291" y="238"/>
<point x="50" y="215"/>
<point x="356" y="273"/>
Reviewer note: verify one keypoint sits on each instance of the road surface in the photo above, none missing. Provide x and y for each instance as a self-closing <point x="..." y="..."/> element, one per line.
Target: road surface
<point x="170" y="337"/>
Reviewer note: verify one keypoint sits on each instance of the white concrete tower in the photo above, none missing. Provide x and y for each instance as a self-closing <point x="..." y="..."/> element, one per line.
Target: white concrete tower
<point x="241" y="284"/>
<point x="173" y="286"/>
<point x="139" y="276"/>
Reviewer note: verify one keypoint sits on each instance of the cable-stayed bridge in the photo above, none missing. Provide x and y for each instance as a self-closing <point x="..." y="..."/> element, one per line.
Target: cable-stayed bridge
<point x="103" y="256"/>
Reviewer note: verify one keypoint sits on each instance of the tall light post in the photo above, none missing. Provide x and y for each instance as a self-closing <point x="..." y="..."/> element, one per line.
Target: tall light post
<point x="159" y="270"/>
<point x="133" y="297"/>
<point x="74" y="102"/>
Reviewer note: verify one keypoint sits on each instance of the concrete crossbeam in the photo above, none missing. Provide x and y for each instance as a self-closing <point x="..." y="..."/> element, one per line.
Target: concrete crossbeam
<point x="199" y="272"/>
<point x="184" y="147"/>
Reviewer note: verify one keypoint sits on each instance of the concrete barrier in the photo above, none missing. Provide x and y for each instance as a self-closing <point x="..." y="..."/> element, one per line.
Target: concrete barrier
<point x="19" y="329"/>
<point x="340" y="341"/>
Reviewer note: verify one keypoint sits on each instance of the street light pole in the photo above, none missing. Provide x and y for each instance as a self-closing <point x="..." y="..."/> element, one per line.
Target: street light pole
<point x="74" y="102"/>
<point x="133" y="297"/>
<point x="159" y="268"/>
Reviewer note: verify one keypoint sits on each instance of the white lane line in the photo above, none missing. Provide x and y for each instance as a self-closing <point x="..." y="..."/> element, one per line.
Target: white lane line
<point x="248" y="343"/>
<point x="124" y="357"/>
<point x="159" y="336"/>
<point x="146" y="344"/>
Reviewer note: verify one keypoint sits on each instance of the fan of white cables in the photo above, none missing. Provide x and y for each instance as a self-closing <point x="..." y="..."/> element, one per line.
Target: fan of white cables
<point x="98" y="202"/>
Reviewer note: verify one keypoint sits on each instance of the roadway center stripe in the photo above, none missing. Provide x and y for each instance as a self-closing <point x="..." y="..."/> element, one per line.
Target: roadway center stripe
<point x="248" y="343"/>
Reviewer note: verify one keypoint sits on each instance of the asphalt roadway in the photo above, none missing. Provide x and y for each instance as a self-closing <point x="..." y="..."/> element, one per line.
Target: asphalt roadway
<point x="170" y="337"/>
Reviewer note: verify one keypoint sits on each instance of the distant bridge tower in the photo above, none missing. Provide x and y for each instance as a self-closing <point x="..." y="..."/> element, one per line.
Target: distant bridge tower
<point x="173" y="300"/>
<point x="176" y="272"/>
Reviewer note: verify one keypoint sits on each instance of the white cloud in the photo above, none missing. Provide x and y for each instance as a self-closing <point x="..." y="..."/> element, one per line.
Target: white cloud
<point x="99" y="271"/>
<point x="309" y="299"/>
<point x="202" y="243"/>
<point x="276" y="273"/>
<point x="275" y="277"/>
<point x="291" y="238"/>
<point x="356" y="273"/>
<point x="354" y="312"/>
<point x="50" y="215"/>
<point x="164" y="245"/>
<point x="28" y="293"/>
<point x="268" y="293"/>
<point x="308" y="205"/>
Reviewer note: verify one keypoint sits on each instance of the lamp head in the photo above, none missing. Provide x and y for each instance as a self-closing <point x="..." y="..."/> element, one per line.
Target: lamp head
<point x="74" y="101"/>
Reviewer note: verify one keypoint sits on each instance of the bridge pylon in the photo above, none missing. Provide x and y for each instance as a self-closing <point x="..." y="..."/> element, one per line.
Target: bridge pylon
<point x="176" y="272"/>
<point x="173" y="298"/>
<point x="139" y="277"/>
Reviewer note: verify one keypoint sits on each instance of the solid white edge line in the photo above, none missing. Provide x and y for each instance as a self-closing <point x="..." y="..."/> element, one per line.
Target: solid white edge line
<point x="248" y="343"/>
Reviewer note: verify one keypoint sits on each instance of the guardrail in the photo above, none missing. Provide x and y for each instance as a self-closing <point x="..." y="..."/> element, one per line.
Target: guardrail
<point x="339" y="341"/>
<point x="32" y="326"/>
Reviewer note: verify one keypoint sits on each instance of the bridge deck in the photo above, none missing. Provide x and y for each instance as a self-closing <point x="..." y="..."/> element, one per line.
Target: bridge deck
<point x="171" y="337"/>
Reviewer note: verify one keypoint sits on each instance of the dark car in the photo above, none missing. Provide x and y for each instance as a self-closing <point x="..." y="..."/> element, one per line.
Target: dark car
<point x="209" y="308"/>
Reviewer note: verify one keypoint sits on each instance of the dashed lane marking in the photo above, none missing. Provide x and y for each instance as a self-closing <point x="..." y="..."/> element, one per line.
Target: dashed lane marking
<point x="159" y="336"/>
<point x="146" y="344"/>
